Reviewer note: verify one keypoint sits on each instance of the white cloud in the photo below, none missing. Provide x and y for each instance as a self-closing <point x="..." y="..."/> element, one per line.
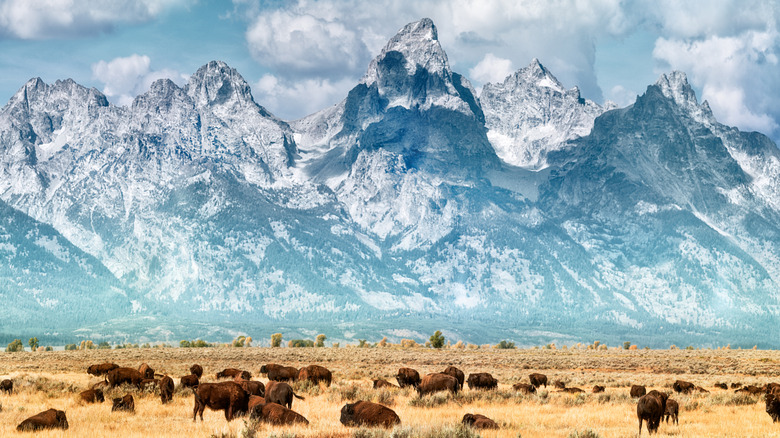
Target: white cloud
<point x="621" y="96"/>
<point x="127" y="77"/>
<point x="491" y="69"/>
<point x="43" y="19"/>
<point x="292" y="99"/>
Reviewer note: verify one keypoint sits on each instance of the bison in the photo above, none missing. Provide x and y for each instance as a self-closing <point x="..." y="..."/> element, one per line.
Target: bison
<point x="92" y="396"/>
<point x="197" y="370"/>
<point x="227" y="396"/>
<point x="559" y="384"/>
<point x="229" y="373"/>
<point x="382" y="383"/>
<point x="119" y="376"/>
<point x="190" y="381"/>
<point x="721" y="386"/>
<point x="166" y="389"/>
<point x="479" y="421"/>
<point x="772" y="387"/>
<point x="125" y="403"/>
<point x="572" y="390"/>
<point x="48" y="419"/>
<point x="750" y="389"/>
<point x="436" y="382"/>
<point x="538" y="379"/>
<point x="597" y="389"/>
<point x="254" y="400"/>
<point x="673" y="411"/>
<point x="773" y="405"/>
<point x="651" y="407"/>
<point x="276" y="414"/>
<point x="637" y="391"/>
<point x="524" y="388"/>
<point x="101" y="369"/>
<point x="252" y="387"/>
<point x="456" y="373"/>
<point x="407" y="377"/>
<point x="281" y="393"/>
<point x="735" y="385"/>
<point x="146" y="371"/>
<point x="366" y="413"/>
<point x="279" y="373"/>
<point x="482" y="381"/>
<point x="315" y="374"/>
<point x="683" y="387"/>
<point x="7" y="386"/>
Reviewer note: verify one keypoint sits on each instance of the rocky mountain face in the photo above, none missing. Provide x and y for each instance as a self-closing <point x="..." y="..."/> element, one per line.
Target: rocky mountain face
<point x="528" y="214"/>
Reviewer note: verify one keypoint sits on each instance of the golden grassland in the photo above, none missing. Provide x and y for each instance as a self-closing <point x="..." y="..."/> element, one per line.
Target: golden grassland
<point x="53" y="379"/>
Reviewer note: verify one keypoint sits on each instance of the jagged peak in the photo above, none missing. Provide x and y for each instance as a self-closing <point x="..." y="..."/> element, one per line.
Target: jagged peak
<point x="217" y="83"/>
<point x="675" y="86"/>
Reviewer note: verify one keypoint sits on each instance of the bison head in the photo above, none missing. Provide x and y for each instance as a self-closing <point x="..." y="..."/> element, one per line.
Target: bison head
<point x="61" y="420"/>
<point x="469" y="419"/>
<point x="348" y="414"/>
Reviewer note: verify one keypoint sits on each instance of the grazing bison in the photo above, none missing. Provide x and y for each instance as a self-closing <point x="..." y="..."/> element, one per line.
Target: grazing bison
<point x="773" y="405"/>
<point x="7" y="386"/>
<point x="572" y="390"/>
<point x="750" y="389"/>
<point x="229" y="373"/>
<point x="281" y="393"/>
<point x="48" y="419"/>
<point x="227" y="396"/>
<point x="651" y="407"/>
<point x="637" y="391"/>
<point x="597" y="389"/>
<point x="479" y="421"/>
<point x="382" y="383"/>
<point x="538" y="379"/>
<point x="101" y="369"/>
<point x="559" y="384"/>
<point x="482" y="381"/>
<point x="736" y="385"/>
<point x="721" y="386"/>
<point x="366" y="413"/>
<point x="92" y="396"/>
<point x="252" y="387"/>
<point x="436" y="382"/>
<point x="279" y="373"/>
<point x="190" y="381"/>
<point x="524" y="388"/>
<point x="277" y="415"/>
<point x="254" y="400"/>
<point x="146" y="371"/>
<point x="673" y="411"/>
<point x="407" y="377"/>
<point x="456" y="373"/>
<point x="125" y="403"/>
<point x="166" y="389"/>
<point x="119" y="376"/>
<point x="315" y="374"/>
<point x="196" y="370"/>
<point x="683" y="387"/>
<point x="700" y="389"/>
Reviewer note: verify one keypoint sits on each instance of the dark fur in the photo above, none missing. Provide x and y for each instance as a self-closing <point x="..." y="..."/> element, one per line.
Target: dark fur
<point x="382" y="383"/>
<point x="227" y="396"/>
<point x="101" y="369"/>
<point x="146" y="371"/>
<point x="721" y="386"/>
<point x="572" y="390"/>
<point x="651" y="407"/>
<point x="190" y="381"/>
<point x="482" y="381"/>
<point x="125" y="403"/>
<point x="559" y="384"/>
<point x="281" y="393"/>
<point x="672" y="411"/>
<point x="683" y="387"/>
<point x="638" y="391"/>
<point x="597" y="389"/>
<point x="736" y="385"/>
<point x="229" y="373"/>
<point x="751" y="389"/>
<point x="7" y="386"/>
<point x="436" y="382"/>
<point x="479" y="421"/>
<point x="166" y="389"/>
<point x="407" y="377"/>
<point x="254" y="400"/>
<point x="457" y="374"/>
<point x="119" y="376"/>
<point x="92" y="396"/>
<point x="366" y="413"/>
<point x="252" y="387"/>
<point x="524" y="388"/>
<point x="276" y="414"/>
<point x="48" y="419"/>
<point x="197" y="370"/>
<point x="279" y="373"/>
<point x="315" y="374"/>
<point x="773" y="405"/>
<point x="538" y="379"/>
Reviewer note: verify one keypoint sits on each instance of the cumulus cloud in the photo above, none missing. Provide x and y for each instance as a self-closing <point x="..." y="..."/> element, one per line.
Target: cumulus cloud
<point x="44" y="19"/>
<point x="292" y="99"/>
<point x="127" y="77"/>
<point x="492" y="69"/>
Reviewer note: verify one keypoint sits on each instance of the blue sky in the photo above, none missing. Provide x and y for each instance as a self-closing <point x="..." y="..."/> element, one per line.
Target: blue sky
<point x="301" y="56"/>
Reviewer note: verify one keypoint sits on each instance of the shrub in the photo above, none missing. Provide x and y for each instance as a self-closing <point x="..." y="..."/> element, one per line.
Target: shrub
<point x="71" y="347"/>
<point x="239" y="342"/>
<point x="300" y="343"/>
<point x="367" y="432"/>
<point x="383" y="342"/>
<point x="185" y="344"/>
<point x="575" y="401"/>
<point x="276" y="340"/>
<point x="408" y="343"/>
<point x="505" y="345"/>
<point x="14" y="346"/>
<point x="587" y="433"/>
<point x="437" y="339"/>
<point x="362" y="343"/>
<point x="626" y="345"/>
<point x="104" y="346"/>
<point x="447" y="431"/>
<point x="321" y="340"/>
<point x="33" y="343"/>
<point x="429" y="401"/>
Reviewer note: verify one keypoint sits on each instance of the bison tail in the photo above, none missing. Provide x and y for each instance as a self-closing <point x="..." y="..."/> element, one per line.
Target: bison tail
<point x="298" y="396"/>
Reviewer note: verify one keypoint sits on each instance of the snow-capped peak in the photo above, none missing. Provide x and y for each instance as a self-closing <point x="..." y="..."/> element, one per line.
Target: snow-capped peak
<point x="675" y="86"/>
<point x="216" y="83"/>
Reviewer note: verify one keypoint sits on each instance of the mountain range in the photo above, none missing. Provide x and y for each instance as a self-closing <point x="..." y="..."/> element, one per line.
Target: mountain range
<point x="524" y="212"/>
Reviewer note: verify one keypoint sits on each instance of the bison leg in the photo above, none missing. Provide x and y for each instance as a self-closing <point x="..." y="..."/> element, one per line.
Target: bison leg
<point x="640" y="426"/>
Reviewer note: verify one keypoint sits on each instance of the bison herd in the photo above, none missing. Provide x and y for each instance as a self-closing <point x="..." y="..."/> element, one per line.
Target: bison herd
<point x="272" y="402"/>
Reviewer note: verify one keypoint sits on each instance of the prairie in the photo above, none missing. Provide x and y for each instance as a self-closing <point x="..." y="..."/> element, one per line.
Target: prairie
<point x="54" y="379"/>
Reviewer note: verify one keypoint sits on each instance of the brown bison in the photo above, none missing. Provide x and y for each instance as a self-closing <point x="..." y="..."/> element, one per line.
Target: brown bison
<point x="227" y="396"/>
<point x="637" y="391"/>
<point x="229" y="373"/>
<point x="119" y="376"/>
<point x="48" y="419"/>
<point x="125" y="403"/>
<point x="683" y="387"/>
<point x="772" y="387"/>
<point x="92" y="396"/>
<point x="482" y="381"/>
<point x="101" y="369"/>
<point x="190" y="381"/>
<point x="276" y="414"/>
<point x="572" y="390"/>
<point x="524" y="388"/>
<point x="479" y="421"/>
<point x="773" y="405"/>
<point x="538" y="379"/>
<point x="146" y="371"/>
<point x="382" y="383"/>
<point x="735" y="385"/>
<point x="721" y="386"/>
<point x="7" y="386"/>
<point x="315" y="374"/>
<point x="456" y="373"/>
<point x="252" y="387"/>
<point x="673" y="411"/>
<point x="196" y="370"/>
<point x="281" y="393"/>
<point x="279" y="373"/>
<point x="651" y="407"/>
<point x="559" y="384"/>
<point x="750" y="389"/>
<point x="254" y="400"/>
<point x="436" y="382"/>
<point x="366" y="413"/>
<point x="407" y="377"/>
<point x="166" y="389"/>
<point x="597" y="389"/>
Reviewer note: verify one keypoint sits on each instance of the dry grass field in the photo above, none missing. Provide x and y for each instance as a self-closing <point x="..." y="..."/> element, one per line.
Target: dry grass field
<point x="53" y="379"/>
